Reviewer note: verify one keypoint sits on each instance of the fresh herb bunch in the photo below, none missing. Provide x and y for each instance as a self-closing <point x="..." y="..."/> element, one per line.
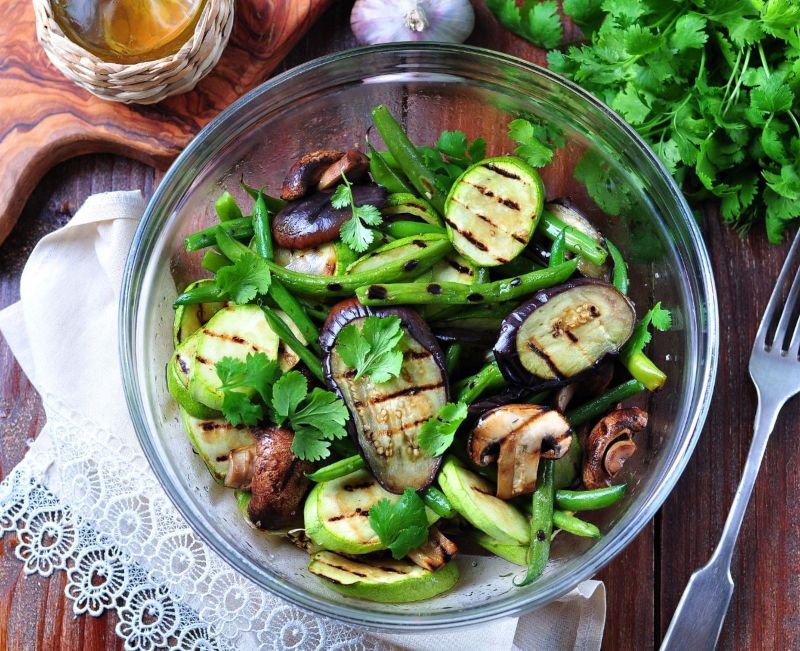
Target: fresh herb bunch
<point x="712" y="85"/>
<point x="355" y="232"/>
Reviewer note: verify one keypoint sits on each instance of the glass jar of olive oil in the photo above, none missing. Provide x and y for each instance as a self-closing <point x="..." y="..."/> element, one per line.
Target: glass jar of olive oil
<point x="128" y="31"/>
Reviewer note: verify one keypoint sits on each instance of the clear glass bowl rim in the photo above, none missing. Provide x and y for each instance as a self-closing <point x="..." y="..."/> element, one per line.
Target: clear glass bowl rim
<point x="196" y="154"/>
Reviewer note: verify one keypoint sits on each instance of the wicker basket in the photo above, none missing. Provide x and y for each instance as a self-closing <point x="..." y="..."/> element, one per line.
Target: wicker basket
<point x="139" y="83"/>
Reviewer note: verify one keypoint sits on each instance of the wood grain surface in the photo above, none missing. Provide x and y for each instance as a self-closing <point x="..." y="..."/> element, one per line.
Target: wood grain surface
<point x="644" y="583"/>
<point x="45" y="118"/>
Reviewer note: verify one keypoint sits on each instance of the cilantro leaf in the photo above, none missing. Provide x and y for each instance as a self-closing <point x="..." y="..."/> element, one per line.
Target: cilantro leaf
<point x="241" y="379"/>
<point x="401" y="525"/>
<point x="320" y="420"/>
<point x="531" y="147"/>
<point x="240" y="410"/>
<point x="353" y="232"/>
<point x="537" y="22"/>
<point x="244" y="279"/>
<point x="374" y="349"/>
<point x="659" y="318"/>
<point x="437" y="434"/>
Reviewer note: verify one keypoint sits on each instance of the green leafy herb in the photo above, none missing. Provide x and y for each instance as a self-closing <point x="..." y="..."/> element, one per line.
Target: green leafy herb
<point x="401" y="525"/>
<point x="538" y="22"/>
<point x="373" y="350"/>
<point x="242" y="281"/>
<point x="316" y="419"/>
<point x="355" y="232"/>
<point x="436" y="434"/>
<point x="659" y="318"/>
<point x="537" y="142"/>
<point x="239" y="379"/>
<point x="457" y="149"/>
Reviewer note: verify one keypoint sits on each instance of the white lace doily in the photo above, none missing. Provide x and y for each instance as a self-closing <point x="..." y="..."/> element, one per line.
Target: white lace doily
<point x="190" y="599"/>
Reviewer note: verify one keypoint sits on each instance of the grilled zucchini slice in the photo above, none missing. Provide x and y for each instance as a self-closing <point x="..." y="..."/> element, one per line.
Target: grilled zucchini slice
<point x="189" y="318"/>
<point x="386" y="581"/>
<point x="493" y="208"/>
<point x="235" y="331"/>
<point x="178" y="370"/>
<point x="213" y="439"/>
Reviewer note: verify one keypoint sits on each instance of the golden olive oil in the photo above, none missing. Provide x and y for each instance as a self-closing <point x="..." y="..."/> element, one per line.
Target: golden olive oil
<point x="128" y="31"/>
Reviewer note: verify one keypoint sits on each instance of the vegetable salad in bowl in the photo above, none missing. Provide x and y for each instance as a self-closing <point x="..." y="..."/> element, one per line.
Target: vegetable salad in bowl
<point x="405" y="351"/>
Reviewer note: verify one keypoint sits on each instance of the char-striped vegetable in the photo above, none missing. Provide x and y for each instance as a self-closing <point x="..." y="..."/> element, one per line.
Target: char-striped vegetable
<point x="493" y="208"/>
<point x="563" y="331"/>
<point x="386" y="418"/>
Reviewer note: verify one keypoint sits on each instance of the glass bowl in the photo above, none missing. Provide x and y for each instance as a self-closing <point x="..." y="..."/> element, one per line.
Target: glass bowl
<point x="326" y="103"/>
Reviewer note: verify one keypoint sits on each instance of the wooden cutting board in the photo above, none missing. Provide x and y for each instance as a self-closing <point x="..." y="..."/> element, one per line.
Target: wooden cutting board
<point x="45" y="118"/>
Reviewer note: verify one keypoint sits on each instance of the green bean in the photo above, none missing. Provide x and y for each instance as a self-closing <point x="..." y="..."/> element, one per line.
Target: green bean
<point x="316" y="310"/>
<point x="204" y="293"/>
<point x="404" y="228"/>
<point x="600" y="405"/>
<point x="558" y="252"/>
<point x="619" y="276"/>
<point x="287" y="337"/>
<point x="451" y="357"/>
<point x="437" y="502"/>
<point x="592" y="500"/>
<point x="642" y="368"/>
<point x="274" y="205"/>
<point x="575" y="241"/>
<point x="226" y="207"/>
<point x="214" y="261"/>
<point x="262" y="231"/>
<point x="487" y="379"/>
<point x="450" y="293"/>
<point x="541" y="523"/>
<point x="241" y="229"/>
<point x="338" y="469"/>
<point x="409" y="265"/>
<point x="384" y="175"/>
<point x="408" y="158"/>
<point x="569" y="523"/>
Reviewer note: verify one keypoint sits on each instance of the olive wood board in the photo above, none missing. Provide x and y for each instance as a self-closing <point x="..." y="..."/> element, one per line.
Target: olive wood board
<point x="45" y="118"/>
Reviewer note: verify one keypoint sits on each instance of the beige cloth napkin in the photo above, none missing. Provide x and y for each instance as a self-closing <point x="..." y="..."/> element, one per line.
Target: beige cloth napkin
<point x="63" y="332"/>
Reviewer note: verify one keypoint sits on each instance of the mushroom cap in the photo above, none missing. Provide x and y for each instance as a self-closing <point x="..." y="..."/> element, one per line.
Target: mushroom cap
<point x="306" y="173"/>
<point x="613" y="436"/>
<point x="279" y="482"/>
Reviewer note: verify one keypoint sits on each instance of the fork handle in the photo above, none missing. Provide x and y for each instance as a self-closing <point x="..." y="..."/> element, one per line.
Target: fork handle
<point x="698" y="619"/>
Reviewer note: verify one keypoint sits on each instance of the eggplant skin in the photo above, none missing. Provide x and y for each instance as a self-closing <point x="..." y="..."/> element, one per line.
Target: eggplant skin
<point x="312" y="220"/>
<point x="506" y="351"/>
<point x="380" y="462"/>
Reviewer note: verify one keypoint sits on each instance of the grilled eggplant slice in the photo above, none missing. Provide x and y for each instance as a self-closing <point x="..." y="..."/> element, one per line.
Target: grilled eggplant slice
<point x="493" y="208"/>
<point x="385" y="580"/>
<point x="562" y="332"/>
<point x="473" y="497"/>
<point x="336" y="514"/>
<point x="386" y="418"/>
<point x="312" y="221"/>
<point x="571" y="216"/>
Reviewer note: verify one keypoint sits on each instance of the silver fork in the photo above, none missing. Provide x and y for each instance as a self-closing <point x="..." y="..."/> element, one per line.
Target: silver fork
<point x="775" y="370"/>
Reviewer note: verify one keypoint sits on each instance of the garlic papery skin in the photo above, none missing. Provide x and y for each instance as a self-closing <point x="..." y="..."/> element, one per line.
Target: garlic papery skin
<point x="392" y="21"/>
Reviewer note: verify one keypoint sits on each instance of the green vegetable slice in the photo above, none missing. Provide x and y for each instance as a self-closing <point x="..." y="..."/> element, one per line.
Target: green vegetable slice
<point x="493" y="208"/>
<point x="213" y="439"/>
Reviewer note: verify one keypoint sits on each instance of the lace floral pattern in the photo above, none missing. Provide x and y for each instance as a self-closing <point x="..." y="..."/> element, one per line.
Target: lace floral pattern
<point x="118" y="523"/>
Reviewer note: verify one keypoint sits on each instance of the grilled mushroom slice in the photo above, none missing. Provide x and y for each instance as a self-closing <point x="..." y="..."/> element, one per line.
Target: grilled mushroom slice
<point x="610" y="445"/>
<point x="241" y="463"/>
<point x="434" y="553"/>
<point x="562" y="332"/>
<point x="304" y="175"/>
<point x="279" y="483"/>
<point x="591" y="385"/>
<point x="353" y="164"/>
<point x="516" y="436"/>
<point x="573" y="217"/>
<point x="386" y="418"/>
<point x="312" y="220"/>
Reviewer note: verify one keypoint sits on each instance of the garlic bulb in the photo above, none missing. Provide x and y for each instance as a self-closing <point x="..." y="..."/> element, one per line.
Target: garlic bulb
<point x="389" y="21"/>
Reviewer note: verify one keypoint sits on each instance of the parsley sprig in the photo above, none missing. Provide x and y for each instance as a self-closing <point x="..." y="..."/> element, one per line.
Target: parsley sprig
<point x="659" y="318"/>
<point x="713" y="86"/>
<point x="437" y="434"/>
<point x="355" y="232"/>
<point x="242" y="281"/>
<point x="374" y="349"/>
<point x="401" y="525"/>
<point x="255" y="388"/>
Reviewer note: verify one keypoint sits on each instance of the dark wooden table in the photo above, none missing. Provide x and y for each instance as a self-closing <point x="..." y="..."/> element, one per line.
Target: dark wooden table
<point x="644" y="583"/>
